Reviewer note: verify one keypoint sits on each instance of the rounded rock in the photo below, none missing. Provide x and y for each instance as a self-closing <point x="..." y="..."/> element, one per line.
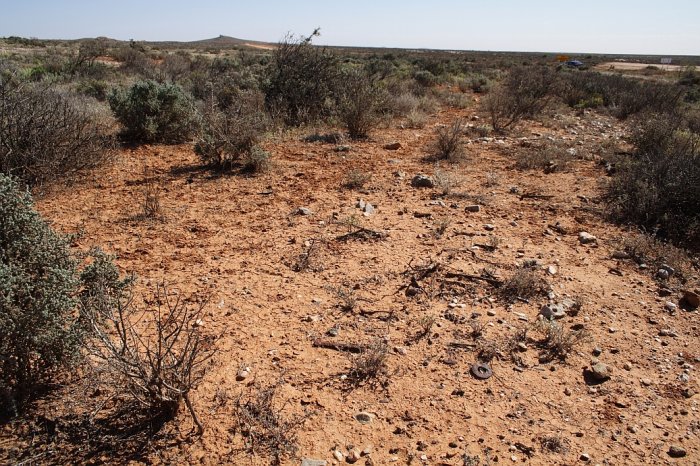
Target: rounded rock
<point x="601" y="371"/>
<point x="677" y="452"/>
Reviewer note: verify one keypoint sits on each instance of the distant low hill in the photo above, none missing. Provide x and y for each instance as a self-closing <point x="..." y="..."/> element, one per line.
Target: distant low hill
<point x="218" y="42"/>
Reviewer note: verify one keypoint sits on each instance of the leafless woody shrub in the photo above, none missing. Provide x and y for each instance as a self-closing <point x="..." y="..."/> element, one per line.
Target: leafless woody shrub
<point x="45" y="134"/>
<point x="156" y="356"/>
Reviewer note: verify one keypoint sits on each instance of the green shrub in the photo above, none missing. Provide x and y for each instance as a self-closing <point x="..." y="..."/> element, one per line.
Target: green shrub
<point x="524" y="93"/>
<point x="302" y="81"/>
<point x="229" y="135"/>
<point x="45" y="134"/>
<point x="360" y="103"/>
<point x="152" y="112"/>
<point x="38" y="321"/>
<point x="658" y="187"/>
<point x="623" y="96"/>
<point x="478" y="83"/>
<point x="425" y="78"/>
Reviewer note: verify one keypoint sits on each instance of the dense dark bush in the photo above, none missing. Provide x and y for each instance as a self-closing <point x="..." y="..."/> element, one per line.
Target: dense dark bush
<point x="425" y="78"/>
<point x="38" y="321"/>
<point x="360" y="102"/>
<point x="690" y="80"/>
<point x="45" y="134"/>
<point x="302" y="81"/>
<point x="658" y="187"/>
<point x="152" y="112"/>
<point x="524" y="93"/>
<point x="229" y="135"/>
<point x="478" y="83"/>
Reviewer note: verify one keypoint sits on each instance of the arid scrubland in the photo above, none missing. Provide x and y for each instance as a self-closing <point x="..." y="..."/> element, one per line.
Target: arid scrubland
<point x="218" y="253"/>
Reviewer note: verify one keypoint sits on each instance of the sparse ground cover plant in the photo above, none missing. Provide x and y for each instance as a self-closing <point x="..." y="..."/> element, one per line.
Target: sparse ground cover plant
<point x="446" y="181"/>
<point x="657" y="255"/>
<point x="356" y="179"/>
<point x="46" y="134"/>
<point x="550" y="157"/>
<point x="150" y="206"/>
<point x="151" y="112"/>
<point x="424" y="326"/>
<point x="369" y="365"/>
<point x="416" y="119"/>
<point x="558" y="342"/>
<point x="347" y="298"/>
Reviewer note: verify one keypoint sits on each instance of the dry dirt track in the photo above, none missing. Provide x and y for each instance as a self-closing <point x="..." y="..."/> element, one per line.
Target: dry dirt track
<point x="236" y="239"/>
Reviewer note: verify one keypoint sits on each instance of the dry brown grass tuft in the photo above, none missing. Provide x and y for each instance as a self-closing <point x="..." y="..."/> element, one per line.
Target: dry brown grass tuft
<point x="370" y="363"/>
<point x="525" y="283"/>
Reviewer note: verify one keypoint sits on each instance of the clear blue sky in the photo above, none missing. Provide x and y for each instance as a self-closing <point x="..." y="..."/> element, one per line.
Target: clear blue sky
<point x="612" y="26"/>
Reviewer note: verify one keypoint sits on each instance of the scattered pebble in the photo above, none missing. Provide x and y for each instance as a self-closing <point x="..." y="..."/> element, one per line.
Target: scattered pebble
<point x="587" y="238"/>
<point x="313" y="462"/>
<point x="338" y="455"/>
<point x="243" y="374"/>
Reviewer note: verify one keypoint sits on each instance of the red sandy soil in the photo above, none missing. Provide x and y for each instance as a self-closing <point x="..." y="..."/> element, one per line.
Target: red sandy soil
<point x="236" y="240"/>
